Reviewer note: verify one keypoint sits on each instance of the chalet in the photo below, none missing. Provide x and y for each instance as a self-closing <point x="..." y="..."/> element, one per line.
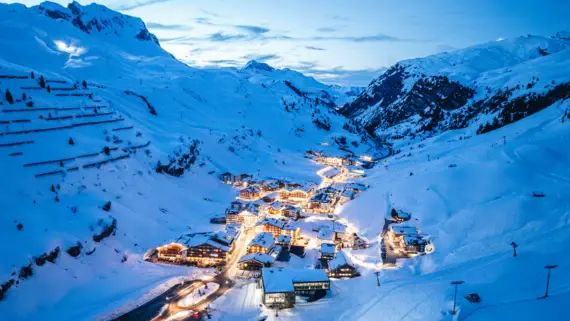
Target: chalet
<point x="203" y="249"/>
<point x="230" y="179"/>
<point x="339" y="230"/>
<point x="280" y="285"/>
<point x="329" y="190"/>
<point x="272" y="186"/>
<point x="171" y="252"/>
<point x="207" y="251"/>
<point x="358" y="242"/>
<point x="321" y="203"/>
<point x="397" y="232"/>
<point x="250" y="193"/>
<point x="413" y="244"/>
<point x="331" y="160"/>
<point x="275" y="208"/>
<point x="270" y="198"/>
<point x="296" y="194"/>
<point x="270" y="225"/>
<point x="400" y="216"/>
<point x="327" y="251"/>
<point x="326" y="235"/>
<point x="255" y="261"/>
<point x="292" y="229"/>
<point x="341" y="266"/>
<point x="261" y="243"/>
<point x="291" y="211"/>
<point x="248" y="215"/>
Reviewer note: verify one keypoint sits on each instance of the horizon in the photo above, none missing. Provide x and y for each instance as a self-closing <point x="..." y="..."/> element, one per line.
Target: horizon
<point x="332" y="41"/>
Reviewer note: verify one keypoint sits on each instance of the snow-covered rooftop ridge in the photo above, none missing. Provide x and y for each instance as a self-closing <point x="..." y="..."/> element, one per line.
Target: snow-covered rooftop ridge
<point x="261" y="257"/>
<point x="263" y="239"/>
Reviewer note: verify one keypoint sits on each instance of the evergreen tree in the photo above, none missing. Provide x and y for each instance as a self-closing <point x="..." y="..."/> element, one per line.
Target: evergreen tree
<point x="42" y="82"/>
<point x="24" y="97"/>
<point x="84" y="84"/>
<point x="71" y="142"/>
<point x="33" y="76"/>
<point x="48" y="89"/>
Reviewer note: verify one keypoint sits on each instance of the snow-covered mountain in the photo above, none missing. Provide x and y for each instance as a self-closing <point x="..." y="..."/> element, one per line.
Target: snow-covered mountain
<point x="476" y="89"/>
<point x="94" y="111"/>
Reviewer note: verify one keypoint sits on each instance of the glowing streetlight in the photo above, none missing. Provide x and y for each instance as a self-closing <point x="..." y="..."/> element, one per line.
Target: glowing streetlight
<point x="456" y="283"/>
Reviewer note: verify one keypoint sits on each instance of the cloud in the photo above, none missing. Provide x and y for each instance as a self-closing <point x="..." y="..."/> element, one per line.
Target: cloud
<point x="375" y="38"/>
<point x="224" y="37"/>
<point x="137" y="4"/>
<point x="204" y="21"/>
<point x="209" y="13"/>
<point x="156" y="25"/>
<point x="173" y="39"/>
<point x="327" y="29"/>
<point x="339" y="18"/>
<point x="261" y="58"/>
<point x="315" y="48"/>
<point x="252" y="29"/>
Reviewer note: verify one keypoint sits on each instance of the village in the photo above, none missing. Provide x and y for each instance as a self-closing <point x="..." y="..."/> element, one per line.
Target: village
<point x="273" y="220"/>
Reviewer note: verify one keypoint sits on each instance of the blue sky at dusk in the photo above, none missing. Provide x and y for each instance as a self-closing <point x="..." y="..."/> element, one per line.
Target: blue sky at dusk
<point x="346" y="42"/>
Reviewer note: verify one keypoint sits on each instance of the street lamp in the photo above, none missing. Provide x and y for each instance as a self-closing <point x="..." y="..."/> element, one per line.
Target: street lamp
<point x="456" y="283"/>
<point x="549" y="268"/>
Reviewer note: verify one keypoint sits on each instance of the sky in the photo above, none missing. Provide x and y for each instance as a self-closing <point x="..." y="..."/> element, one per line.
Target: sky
<point x="335" y="41"/>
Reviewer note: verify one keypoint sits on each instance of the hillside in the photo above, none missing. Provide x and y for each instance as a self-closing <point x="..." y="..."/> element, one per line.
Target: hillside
<point x="110" y="147"/>
<point x="475" y="90"/>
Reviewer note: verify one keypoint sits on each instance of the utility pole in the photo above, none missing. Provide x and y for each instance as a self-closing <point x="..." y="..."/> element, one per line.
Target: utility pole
<point x="456" y="283"/>
<point x="549" y="268"/>
<point x="377" y="273"/>
<point x="514" y="245"/>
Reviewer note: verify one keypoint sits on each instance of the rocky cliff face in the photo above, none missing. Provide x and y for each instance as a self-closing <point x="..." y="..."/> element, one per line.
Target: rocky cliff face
<point x="96" y="18"/>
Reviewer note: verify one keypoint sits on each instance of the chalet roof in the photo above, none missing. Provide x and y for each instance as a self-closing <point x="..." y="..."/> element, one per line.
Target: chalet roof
<point x="348" y="193"/>
<point x="331" y="172"/>
<point x="340" y="260"/>
<point x="250" y="208"/>
<point x="281" y="280"/>
<point x="321" y="198"/>
<point x="251" y="189"/>
<point x="326" y="234"/>
<point x="283" y="239"/>
<point x="338" y="227"/>
<point x="414" y="240"/>
<point x="271" y="221"/>
<point x="259" y="257"/>
<point x="263" y="239"/>
<point x="197" y="239"/>
<point x="291" y="225"/>
<point x="403" y="230"/>
<point x="327" y="248"/>
<point x="277" y="205"/>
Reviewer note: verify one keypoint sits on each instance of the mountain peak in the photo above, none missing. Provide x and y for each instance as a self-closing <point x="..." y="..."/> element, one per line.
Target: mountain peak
<point x="95" y="18"/>
<point x="254" y="65"/>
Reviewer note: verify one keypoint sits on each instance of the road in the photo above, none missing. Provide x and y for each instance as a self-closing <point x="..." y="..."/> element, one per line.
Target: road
<point x="166" y="305"/>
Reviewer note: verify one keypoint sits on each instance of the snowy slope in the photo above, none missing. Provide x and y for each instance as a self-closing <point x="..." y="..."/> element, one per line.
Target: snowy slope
<point x="138" y="107"/>
<point x="463" y="89"/>
<point x="472" y="211"/>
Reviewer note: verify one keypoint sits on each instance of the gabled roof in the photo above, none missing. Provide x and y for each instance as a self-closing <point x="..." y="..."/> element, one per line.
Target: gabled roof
<point x="326" y="234"/>
<point x="331" y="172"/>
<point x="327" y="248"/>
<point x="291" y="225"/>
<point x="251" y="189"/>
<point x="404" y="230"/>
<point x="271" y="221"/>
<point x="251" y="208"/>
<point x="340" y="260"/>
<point x="321" y="198"/>
<point x="414" y="240"/>
<point x="282" y="238"/>
<point x="263" y="239"/>
<point x="259" y="257"/>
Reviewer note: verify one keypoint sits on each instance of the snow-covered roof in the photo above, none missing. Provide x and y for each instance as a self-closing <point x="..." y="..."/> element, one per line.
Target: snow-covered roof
<point x="250" y="208"/>
<point x="251" y="189"/>
<point x="197" y="239"/>
<point x="281" y="280"/>
<point x="328" y="248"/>
<point x="348" y="193"/>
<point x="339" y="260"/>
<point x="326" y="234"/>
<point x="282" y="238"/>
<point x="321" y="198"/>
<point x="331" y="172"/>
<point x="260" y="257"/>
<point x="271" y="221"/>
<point x="291" y="225"/>
<point x="277" y="205"/>
<point x="414" y="240"/>
<point x="404" y="230"/>
<point x="263" y="239"/>
<point x="338" y="227"/>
